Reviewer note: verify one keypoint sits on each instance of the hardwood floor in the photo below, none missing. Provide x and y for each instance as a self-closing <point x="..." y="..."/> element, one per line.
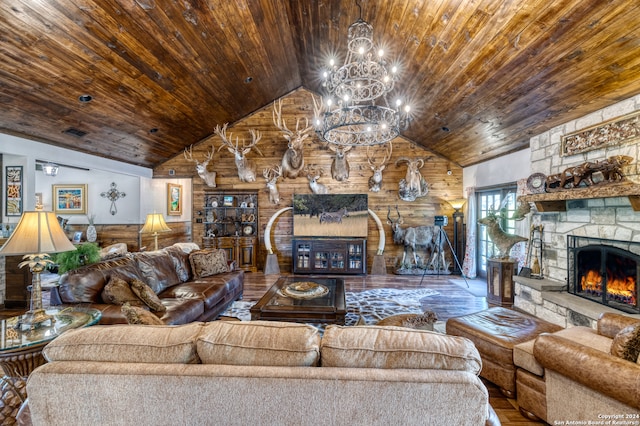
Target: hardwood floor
<point x="450" y="301"/>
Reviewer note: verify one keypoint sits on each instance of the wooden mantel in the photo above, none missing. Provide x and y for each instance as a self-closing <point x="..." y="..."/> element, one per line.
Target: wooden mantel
<point x="556" y="201"/>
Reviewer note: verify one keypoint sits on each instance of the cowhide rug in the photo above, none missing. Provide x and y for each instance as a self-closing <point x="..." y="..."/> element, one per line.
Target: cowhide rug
<point x="370" y="305"/>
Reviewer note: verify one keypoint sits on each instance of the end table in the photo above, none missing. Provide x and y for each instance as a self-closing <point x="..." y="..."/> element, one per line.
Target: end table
<point x="21" y="351"/>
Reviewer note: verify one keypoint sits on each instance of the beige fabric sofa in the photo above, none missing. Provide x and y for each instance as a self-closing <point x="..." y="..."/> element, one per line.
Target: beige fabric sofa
<point x="570" y="375"/>
<point x="258" y="372"/>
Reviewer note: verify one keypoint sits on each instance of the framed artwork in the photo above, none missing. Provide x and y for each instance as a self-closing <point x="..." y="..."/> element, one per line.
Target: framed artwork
<point x="70" y="199"/>
<point x="227" y="201"/>
<point x="77" y="237"/>
<point x="13" y="196"/>
<point x="174" y="199"/>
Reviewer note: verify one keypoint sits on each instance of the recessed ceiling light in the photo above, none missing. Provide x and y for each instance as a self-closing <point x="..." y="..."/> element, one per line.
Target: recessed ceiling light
<point x="85" y="98"/>
<point x="445" y="129"/>
<point x="248" y="79"/>
<point x="154" y="130"/>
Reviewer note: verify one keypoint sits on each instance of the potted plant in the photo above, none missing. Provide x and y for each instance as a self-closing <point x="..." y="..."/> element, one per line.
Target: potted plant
<point x="85" y="254"/>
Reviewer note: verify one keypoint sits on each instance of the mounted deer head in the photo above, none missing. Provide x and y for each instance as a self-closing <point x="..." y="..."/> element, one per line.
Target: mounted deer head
<point x="293" y="158"/>
<point x="340" y="165"/>
<point x="413" y="185"/>
<point x="246" y="168"/>
<point x="271" y="175"/>
<point x="201" y="167"/>
<point x="375" y="181"/>
<point x="313" y="174"/>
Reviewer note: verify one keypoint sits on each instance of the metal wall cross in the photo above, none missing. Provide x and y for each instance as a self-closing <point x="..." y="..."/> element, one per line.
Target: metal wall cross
<point x="113" y="195"/>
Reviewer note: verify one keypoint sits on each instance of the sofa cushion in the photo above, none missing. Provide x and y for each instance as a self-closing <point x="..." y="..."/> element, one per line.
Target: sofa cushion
<point x="396" y="347"/>
<point x="127" y="343"/>
<point x="118" y="292"/>
<point x="138" y="315"/>
<point x="146" y="294"/>
<point x="181" y="263"/>
<point x="205" y="263"/>
<point x="265" y="343"/>
<point x="157" y="269"/>
<point x="626" y="344"/>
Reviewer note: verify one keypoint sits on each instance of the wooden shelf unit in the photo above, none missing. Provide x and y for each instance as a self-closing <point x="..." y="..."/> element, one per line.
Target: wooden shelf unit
<point x="330" y="256"/>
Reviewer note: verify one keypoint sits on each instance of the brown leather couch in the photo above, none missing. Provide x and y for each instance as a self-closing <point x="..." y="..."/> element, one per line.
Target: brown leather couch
<point x="571" y="375"/>
<point x="167" y="271"/>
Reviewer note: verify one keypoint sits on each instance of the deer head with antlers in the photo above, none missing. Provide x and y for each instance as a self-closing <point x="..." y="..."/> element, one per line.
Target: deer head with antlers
<point x="246" y="168"/>
<point x="209" y="178"/>
<point x="313" y="174"/>
<point x="375" y="181"/>
<point x="340" y="165"/>
<point x="271" y="175"/>
<point x="413" y="185"/>
<point x="293" y="158"/>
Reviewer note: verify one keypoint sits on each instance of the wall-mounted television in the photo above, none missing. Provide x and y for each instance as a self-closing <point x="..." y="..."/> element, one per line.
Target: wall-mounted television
<point x="330" y="215"/>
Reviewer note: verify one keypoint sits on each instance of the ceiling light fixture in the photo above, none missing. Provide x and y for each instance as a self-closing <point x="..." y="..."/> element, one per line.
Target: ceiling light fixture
<point x="356" y="111"/>
<point x="50" y="169"/>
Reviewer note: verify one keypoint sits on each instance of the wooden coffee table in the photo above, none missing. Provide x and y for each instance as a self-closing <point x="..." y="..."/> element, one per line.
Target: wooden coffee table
<point x="281" y="303"/>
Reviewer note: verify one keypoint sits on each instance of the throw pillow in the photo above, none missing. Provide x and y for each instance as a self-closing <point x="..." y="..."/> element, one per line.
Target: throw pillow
<point x="137" y="315"/>
<point x="117" y="292"/>
<point x="147" y="295"/>
<point x="205" y="263"/>
<point x="626" y="344"/>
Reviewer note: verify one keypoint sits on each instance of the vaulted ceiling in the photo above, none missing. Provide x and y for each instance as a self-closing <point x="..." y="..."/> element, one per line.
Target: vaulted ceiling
<point x="483" y="76"/>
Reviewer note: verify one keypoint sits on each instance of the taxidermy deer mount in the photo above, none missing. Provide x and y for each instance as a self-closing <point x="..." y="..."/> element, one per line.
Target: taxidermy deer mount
<point x="313" y="174"/>
<point x="340" y="165"/>
<point x="209" y="178"/>
<point x="503" y="241"/>
<point x="293" y="158"/>
<point x="271" y="175"/>
<point x="246" y="168"/>
<point x="413" y="185"/>
<point x="375" y="181"/>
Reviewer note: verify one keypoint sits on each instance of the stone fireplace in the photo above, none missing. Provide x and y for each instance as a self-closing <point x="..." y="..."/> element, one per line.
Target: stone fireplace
<point x="604" y="271"/>
<point x="577" y="219"/>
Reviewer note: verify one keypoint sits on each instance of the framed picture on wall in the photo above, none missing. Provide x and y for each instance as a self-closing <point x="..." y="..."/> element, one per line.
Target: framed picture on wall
<point x="13" y="196"/>
<point x="70" y="199"/>
<point x="174" y="199"/>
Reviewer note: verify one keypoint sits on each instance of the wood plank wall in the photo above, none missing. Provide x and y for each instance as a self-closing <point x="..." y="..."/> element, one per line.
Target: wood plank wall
<point x="298" y="104"/>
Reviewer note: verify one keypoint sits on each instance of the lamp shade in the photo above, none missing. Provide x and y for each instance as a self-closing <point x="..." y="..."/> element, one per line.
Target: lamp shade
<point x="37" y="232"/>
<point x="457" y="204"/>
<point x="154" y="223"/>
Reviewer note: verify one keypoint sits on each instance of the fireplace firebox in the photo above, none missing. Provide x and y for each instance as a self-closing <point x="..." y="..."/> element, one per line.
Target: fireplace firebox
<point x="604" y="271"/>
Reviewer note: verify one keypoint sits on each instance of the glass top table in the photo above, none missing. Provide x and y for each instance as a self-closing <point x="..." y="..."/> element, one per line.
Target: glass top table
<point x="14" y="336"/>
<point x="303" y="299"/>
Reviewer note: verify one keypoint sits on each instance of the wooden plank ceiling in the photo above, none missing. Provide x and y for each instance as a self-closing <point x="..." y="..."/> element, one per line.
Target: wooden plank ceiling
<point x="482" y="76"/>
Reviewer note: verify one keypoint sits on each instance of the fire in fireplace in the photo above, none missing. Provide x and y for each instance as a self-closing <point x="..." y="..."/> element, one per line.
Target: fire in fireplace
<point x="604" y="271"/>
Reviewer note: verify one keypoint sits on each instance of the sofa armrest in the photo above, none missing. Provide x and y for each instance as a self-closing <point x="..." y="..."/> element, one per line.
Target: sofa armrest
<point x="600" y="371"/>
<point x="610" y="324"/>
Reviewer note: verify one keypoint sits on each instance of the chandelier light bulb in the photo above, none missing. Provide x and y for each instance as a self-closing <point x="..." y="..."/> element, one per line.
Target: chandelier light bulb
<point x="361" y="50"/>
<point x="329" y="102"/>
<point x="398" y="102"/>
<point x="332" y="62"/>
<point x="386" y="79"/>
<point x="346" y="98"/>
<point x="381" y="53"/>
<point x="394" y="69"/>
<point x="383" y="125"/>
<point x="369" y="128"/>
<point x="325" y="74"/>
<point x="407" y="108"/>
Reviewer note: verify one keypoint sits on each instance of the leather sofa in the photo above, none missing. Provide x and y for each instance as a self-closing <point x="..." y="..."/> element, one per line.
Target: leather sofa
<point x="257" y="372"/>
<point x="571" y="375"/>
<point x="169" y="274"/>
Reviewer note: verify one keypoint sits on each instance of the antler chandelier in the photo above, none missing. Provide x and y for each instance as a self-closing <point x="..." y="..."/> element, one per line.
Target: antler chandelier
<point x="356" y="111"/>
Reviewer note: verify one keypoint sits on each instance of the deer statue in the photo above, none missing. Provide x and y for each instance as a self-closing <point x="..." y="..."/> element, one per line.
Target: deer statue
<point x="413" y="185"/>
<point x="293" y="158"/>
<point x="375" y="181"/>
<point x="209" y="178"/>
<point x="246" y="168"/>
<point x="313" y="174"/>
<point x="428" y="237"/>
<point x="504" y="242"/>
<point x="271" y="175"/>
<point x="340" y="165"/>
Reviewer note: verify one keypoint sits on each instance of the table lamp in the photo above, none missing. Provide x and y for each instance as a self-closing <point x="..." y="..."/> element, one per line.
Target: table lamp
<point x="153" y="224"/>
<point x="37" y="234"/>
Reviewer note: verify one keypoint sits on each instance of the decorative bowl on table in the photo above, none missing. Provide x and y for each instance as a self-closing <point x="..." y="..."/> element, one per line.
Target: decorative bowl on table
<point x="304" y="290"/>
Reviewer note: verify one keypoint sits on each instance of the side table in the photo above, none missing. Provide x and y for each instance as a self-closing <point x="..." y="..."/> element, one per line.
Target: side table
<point x="21" y="352"/>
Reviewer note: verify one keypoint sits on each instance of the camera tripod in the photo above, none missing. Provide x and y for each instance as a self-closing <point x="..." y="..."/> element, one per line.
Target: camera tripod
<point x="437" y="253"/>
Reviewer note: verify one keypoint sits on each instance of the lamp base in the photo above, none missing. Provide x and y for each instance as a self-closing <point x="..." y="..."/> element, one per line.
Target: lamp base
<point x="34" y="318"/>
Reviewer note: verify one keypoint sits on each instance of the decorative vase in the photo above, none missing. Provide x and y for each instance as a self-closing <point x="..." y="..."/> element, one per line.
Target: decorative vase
<point x="92" y="234"/>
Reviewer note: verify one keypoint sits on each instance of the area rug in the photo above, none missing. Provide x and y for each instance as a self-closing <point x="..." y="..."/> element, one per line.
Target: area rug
<point x="370" y="305"/>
